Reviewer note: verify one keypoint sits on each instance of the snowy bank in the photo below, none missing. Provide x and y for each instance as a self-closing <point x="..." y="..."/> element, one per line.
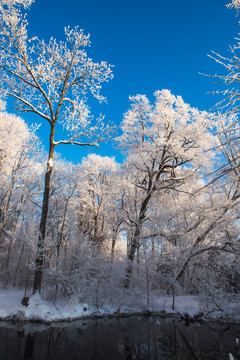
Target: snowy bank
<point x="45" y="311"/>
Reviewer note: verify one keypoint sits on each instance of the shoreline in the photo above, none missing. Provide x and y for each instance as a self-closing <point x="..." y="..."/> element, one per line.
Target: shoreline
<point x="188" y="308"/>
<point x="111" y="316"/>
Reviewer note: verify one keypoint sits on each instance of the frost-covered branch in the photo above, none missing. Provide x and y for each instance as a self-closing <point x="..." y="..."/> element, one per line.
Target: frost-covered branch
<point x="72" y="142"/>
<point x="235" y="4"/>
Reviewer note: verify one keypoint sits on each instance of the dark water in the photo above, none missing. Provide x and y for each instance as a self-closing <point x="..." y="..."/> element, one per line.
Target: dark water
<point x="130" y="338"/>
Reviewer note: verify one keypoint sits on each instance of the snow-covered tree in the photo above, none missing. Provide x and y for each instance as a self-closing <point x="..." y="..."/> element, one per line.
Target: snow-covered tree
<point x="96" y="194"/>
<point x="21" y="172"/>
<point x="19" y="147"/>
<point x="9" y="3"/>
<point x="200" y="220"/>
<point x="235" y="4"/>
<point x="167" y="143"/>
<point x="52" y="80"/>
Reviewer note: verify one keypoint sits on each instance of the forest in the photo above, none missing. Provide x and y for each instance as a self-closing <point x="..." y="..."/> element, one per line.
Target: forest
<point x="165" y="221"/>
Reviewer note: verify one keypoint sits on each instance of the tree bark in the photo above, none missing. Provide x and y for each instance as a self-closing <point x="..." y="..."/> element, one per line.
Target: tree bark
<point x="131" y="255"/>
<point x="135" y="241"/>
<point x="43" y="223"/>
<point x="114" y="238"/>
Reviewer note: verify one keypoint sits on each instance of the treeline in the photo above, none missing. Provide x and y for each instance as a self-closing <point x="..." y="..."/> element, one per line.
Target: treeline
<point x="167" y="218"/>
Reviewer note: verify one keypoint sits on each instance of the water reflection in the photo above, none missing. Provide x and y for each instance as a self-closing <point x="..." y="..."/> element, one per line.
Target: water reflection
<point x="128" y="339"/>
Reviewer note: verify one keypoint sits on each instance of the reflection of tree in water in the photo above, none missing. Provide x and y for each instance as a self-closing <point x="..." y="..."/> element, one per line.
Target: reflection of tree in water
<point x="176" y="341"/>
<point x="123" y="339"/>
<point x="29" y="345"/>
<point x="141" y="344"/>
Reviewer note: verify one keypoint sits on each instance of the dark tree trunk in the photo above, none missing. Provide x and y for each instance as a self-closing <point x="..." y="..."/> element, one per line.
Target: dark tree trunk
<point x="43" y="223"/>
<point x="131" y="255"/>
<point x="135" y="240"/>
<point x="61" y="234"/>
<point x="114" y="238"/>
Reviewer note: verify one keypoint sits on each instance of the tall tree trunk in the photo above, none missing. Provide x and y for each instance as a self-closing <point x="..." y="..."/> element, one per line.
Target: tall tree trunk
<point x="43" y="223"/>
<point x="114" y="238"/>
<point x="138" y="227"/>
<point x="18" y="265"/>
<point x="131" y="255"/>
<point x="61" y="234"/>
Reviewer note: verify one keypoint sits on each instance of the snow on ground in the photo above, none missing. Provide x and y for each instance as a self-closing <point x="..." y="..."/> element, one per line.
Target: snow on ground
<point x="46" y="311"/>
<point x="38" y="309"/>
<point x="183" y="304"/>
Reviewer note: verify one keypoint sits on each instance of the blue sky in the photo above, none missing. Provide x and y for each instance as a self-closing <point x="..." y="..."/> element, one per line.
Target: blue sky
<point x="153" y="44"/>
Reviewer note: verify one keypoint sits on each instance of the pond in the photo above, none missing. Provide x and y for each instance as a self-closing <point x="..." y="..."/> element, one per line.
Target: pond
<point x="117" y="339"/>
